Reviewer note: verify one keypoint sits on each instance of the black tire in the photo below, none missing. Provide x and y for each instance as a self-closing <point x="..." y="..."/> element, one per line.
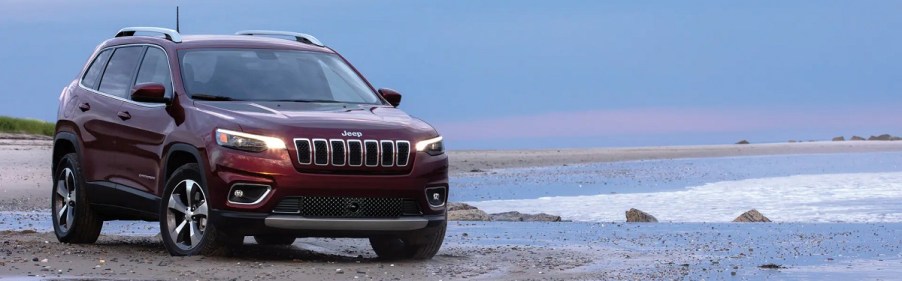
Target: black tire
<point x="280" y="240"/>
<point x="420" y="245"/>
<point x="187" y="187"/>
<point x="73" y="219"/>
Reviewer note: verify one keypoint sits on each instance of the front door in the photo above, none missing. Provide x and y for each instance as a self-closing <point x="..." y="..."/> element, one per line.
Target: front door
<point x="96" y="112"/>
<point x="144" y="128"/>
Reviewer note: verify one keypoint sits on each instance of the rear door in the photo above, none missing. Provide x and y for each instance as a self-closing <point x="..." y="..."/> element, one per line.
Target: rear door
<point x="145" y="126"/>
<point x="96" y="114"/>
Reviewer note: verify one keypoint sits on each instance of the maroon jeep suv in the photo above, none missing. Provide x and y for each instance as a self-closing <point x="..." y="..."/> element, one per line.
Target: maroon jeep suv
<point x="222" y="137"/>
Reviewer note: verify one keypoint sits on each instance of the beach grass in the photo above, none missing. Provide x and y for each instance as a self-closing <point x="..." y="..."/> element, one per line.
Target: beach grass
<point x="25" y="126"/>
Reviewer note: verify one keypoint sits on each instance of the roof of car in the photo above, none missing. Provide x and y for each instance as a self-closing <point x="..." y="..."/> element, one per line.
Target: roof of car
<point x="175" y="40"/>
<point x="244" y="41"/>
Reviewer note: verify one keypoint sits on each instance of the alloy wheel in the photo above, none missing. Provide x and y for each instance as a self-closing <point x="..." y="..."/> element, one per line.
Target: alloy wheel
<point x="64" y="200"/>
<point x="187" y="214"/>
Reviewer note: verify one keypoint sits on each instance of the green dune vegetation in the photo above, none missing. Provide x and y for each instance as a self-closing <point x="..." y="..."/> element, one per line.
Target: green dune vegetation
<point x="25" y="126"/>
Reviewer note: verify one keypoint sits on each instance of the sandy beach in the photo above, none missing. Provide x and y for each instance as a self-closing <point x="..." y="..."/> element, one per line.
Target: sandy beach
<point x="473" y="250"/>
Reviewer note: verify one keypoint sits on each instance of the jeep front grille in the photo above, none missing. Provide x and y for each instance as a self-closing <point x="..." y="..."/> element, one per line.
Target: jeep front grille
<point x="354" y="153"/>
<point x="348" y="207"/>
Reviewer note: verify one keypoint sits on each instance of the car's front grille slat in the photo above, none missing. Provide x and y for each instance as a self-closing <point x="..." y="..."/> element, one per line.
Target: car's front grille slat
<point x="303" y="149"/>
<point x="338" y="152"/>
<point x="388" y="153"/>
<point x="320" y="152"/>
<point x="355" y="153"/>
<point x="371" y="152"/>
<point x="403" y="153"/>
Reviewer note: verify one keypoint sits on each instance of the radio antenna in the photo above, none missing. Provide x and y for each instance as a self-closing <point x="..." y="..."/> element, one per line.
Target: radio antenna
<point x="177" y="19"/>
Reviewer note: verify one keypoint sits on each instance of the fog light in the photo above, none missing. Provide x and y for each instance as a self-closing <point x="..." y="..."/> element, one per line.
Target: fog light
<point x="248" y="194"/>
<point x="436" y="196"/>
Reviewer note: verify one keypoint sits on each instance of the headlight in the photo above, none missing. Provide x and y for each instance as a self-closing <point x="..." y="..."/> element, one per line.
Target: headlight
<point x="247" y="142"/>
<point x="432" y="146"/>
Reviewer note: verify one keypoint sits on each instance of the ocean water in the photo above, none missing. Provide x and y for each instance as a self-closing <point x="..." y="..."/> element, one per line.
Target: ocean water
<point x="854" y="187"/>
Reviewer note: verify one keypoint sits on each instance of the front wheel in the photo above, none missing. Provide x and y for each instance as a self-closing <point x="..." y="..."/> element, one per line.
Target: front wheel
<point x="184" y="216"/>
<point x="420" y="245"/>
<point x="73" y="219"/>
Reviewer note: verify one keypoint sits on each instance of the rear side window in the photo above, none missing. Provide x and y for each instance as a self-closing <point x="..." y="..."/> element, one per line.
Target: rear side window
<point x="117" y="78"/>
<point x="155" y="69"/>
<point x="92" y="76"/>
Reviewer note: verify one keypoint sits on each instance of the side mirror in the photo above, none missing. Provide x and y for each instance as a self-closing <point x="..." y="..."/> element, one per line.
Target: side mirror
<point x="392" y="96"/>
<point x="149" y="92"/>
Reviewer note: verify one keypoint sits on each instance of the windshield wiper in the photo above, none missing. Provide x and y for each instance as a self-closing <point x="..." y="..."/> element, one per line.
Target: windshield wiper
<point x="311" y="101"/>
<point x="212" y="97"/>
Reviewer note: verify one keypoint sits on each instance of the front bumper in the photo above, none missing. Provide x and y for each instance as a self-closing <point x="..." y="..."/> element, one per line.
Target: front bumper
<point x="249" y="223"/>
<point x="228" y="167"/>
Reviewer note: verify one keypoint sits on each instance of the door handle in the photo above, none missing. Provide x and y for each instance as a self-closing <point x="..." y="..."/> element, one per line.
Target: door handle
<point x="84" y="107"/>
<point x="124" y="115"/>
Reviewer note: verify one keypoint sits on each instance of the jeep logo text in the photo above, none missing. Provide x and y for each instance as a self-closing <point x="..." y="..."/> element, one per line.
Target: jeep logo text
<point x="351" y="134"/>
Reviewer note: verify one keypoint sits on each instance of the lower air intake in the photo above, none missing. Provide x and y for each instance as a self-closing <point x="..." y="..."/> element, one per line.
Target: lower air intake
<point x="348" y="207"/>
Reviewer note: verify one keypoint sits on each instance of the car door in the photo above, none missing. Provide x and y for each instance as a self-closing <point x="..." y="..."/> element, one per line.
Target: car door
<point x="96" y="114"/>
<point x="145" y="126"/>
<point x="114" y="85"/>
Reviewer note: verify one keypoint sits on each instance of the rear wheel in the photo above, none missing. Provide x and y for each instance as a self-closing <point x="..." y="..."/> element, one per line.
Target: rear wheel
<point x="184" y="216"/>
<point x="73" y="219"/>
<point x="420" y="245"/>
<point x="282" y="240"/>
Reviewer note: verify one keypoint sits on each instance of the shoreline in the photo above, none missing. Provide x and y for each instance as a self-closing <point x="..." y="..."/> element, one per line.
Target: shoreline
<point x="465" y="161"/>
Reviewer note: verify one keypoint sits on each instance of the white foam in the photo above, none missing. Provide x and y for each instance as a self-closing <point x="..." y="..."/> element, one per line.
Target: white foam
<point x="860" y="197"/>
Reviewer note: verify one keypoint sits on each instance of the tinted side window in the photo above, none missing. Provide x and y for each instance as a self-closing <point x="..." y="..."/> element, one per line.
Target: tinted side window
<point x="96" y="68"/>
<point x="117" y="78"/>
<point x="155" y="69"/>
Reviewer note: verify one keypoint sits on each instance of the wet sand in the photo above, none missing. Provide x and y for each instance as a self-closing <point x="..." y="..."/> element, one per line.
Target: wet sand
<point x="480" y="251"/>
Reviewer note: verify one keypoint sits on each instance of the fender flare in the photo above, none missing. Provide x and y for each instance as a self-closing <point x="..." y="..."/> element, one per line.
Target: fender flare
<point x="181" y="147"/>
<point x="66" y="136"/>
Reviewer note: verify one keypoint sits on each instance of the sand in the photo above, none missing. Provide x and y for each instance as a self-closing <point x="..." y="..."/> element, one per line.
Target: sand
<point x="475" y="251"/>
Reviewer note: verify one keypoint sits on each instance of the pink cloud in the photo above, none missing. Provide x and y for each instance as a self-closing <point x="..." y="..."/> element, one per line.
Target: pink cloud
<point x="651" y="121"/>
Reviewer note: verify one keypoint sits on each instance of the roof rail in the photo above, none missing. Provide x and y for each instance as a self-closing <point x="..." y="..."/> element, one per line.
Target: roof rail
<point x="170" y="34"/>
<point x="300" y="37"/>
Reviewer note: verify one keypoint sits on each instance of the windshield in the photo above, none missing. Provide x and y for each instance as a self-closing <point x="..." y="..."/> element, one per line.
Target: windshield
<point x="271" y="75"/>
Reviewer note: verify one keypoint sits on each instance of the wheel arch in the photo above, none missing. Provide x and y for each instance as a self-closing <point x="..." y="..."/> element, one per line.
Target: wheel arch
<point x="64" y="143"/>
<point x="178" y="155"/>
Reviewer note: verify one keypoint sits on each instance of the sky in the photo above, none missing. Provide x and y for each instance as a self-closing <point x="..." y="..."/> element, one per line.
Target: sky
<point x="539" y="74"/>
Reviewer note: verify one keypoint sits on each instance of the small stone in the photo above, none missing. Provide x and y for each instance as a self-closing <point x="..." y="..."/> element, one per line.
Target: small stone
<point x="751" y="216"/>
<point x="635" y="215"/>
<point x="517" y="216"/>
<point x="34" y="259"/>
<point x="883" y="137"/>
<point x="44" y="260"/>
<point x="339" y="271"/>
<point x="468" y="215"/>
<point x="455" y="206"/>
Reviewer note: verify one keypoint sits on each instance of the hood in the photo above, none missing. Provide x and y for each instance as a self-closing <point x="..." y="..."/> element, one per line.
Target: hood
<point x="318" y="119"/>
